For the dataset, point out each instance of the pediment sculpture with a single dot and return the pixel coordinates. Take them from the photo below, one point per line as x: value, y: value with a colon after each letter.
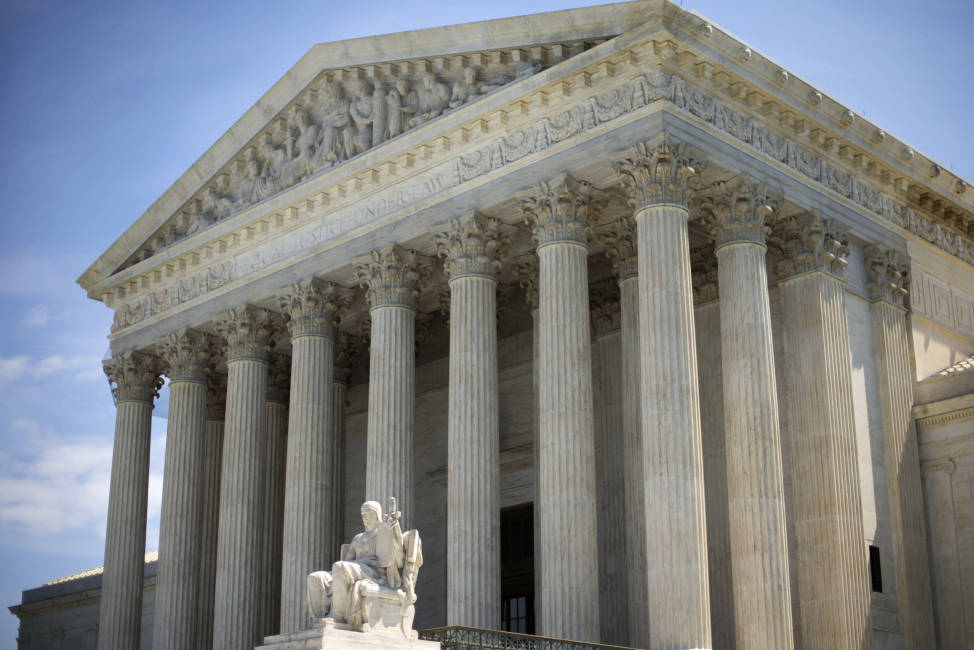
x: 372, y: 588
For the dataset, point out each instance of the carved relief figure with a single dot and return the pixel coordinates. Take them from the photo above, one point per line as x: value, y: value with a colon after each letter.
x: 268, y: 180
x: 300, y: 148
x: 434, y: 98
x: 335, y: 121
x: 402, y: 106
x: 361, y: 110
x: 380, y: 114
x: 468, y: 88
x: 373, y: 585
x: 246, y: 187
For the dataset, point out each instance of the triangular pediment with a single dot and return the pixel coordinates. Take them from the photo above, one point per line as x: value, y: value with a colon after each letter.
x: 344, y: 98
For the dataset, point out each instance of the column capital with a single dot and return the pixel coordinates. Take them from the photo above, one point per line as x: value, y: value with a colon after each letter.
x: 619, y: 238
x: 945, y: 465
x: 216, y: 395
x: 313, y: 307
x: 604, y: 307
x: 526, y: 270
x: 134, y: 377
x: 278, y: 377
x: 664, y: 174
x: 808, y: 242
x: 472, y: 244
x: 703, y: 274
x: 561, y: 210
x: 186, y: 354
x: 888, y: 275
x: 248, y: 331
x: 738, y: 211
x: 393, y: 276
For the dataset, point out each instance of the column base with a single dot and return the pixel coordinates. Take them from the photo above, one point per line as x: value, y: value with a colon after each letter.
x: 327, y: 634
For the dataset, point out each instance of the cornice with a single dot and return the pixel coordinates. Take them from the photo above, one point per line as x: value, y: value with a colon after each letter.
x: 531, y: 115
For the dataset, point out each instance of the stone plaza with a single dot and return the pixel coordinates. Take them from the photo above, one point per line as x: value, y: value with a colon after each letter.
x: 656, y: 345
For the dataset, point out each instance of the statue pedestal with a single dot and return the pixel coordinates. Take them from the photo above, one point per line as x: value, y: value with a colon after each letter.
x: 333, y: 636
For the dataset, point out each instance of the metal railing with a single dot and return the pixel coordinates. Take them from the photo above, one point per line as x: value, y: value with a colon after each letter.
x: 470, y: 638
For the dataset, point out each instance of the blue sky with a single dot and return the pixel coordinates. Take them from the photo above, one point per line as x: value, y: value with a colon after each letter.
x: 103, y: 105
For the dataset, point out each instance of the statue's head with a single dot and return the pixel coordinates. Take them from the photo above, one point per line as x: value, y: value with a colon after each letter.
x: 470, y: 75
x: 371, y: 514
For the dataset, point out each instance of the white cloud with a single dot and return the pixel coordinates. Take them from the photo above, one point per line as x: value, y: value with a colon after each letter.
x: 35, y: 317
x: 58, y: 487
x: 23, y: 367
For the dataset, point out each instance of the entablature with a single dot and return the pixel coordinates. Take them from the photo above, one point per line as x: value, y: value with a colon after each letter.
x: 682, y: 62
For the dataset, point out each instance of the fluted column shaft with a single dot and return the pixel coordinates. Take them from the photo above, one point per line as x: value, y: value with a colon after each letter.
x: 470, y: 247
x: 309, y: 517
x: 762, y: 595
x: 473, y: 514
x: 676, y: 556
x: 610, y: 478
x: 707, y: 321
x: 833, y: 586
x: 633, y: 492
x: 339, y: 388
x: 392, y: 278
x: 888, y: 276
x: 560, y: 211
x: 210, y: 516
x: 275, y: 458
x: 240, y: 537
x: 567, y: 440
x: 176, y: 600
x: 120, y: 614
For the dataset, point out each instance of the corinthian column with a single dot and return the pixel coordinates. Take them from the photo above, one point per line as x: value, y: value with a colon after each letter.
x: 736, y: 213
x: 888, y: 276
x: 560, y: 212
x: 275, y: 456
x: 216, y: 399
x: 706, y: 317
x: 136, y: 382
x: 656, y: 181
x: 819, y: 418
x: 311, y: 307
x: 620, y: 242
x: 392, y: 278
x: 347, y: 350
x: 236, y: 624
x: 609, y: 463
x: 176, y: 602
x: 471, y: 247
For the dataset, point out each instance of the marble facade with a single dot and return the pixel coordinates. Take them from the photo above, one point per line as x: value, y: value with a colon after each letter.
x: 671, y: 310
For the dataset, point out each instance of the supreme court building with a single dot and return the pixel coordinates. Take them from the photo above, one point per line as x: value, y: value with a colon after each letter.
x: 634, y: 324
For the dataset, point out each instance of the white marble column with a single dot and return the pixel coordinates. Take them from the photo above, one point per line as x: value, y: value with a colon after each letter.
x: 392, y: 278
x: 656, y: 180
x: 347, y: 350
x: 135, y: 380
x: 736, y: 213
x: 177, y: 596
x: 609, y: 463
x: 471, y: 247
x: 706, y: 317
x: 946, y: 563
x: 526, y: 270
x: 820, y: 422
x: 560, y: 212
x: 275, y: 461
x: 311, y: 307
x: 216, y: 399
x: 888, y: 276
x: 620, y: 243
x: 236, y: 615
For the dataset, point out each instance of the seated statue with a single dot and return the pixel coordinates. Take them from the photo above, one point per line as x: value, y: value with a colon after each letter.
x: 372, y: 587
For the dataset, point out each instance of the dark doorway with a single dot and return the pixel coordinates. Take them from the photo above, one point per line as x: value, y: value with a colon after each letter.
x: 517, y: 569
